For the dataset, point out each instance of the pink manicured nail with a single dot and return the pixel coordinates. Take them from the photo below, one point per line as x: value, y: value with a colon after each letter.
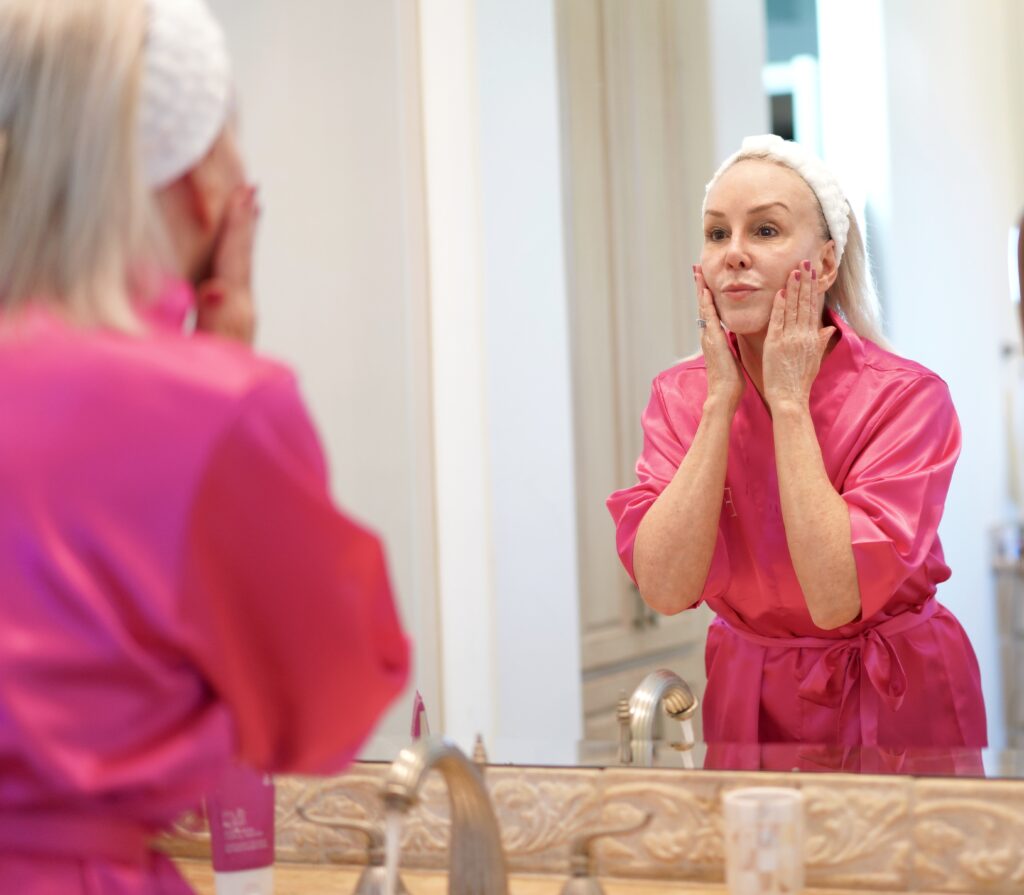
x: 814, y: 274
x: 807, y: 265
x: 797, y: 275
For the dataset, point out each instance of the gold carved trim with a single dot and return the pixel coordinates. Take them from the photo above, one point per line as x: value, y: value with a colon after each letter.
x: 893, y: 834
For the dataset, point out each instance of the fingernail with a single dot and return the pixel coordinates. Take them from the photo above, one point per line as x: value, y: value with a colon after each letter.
x: 213, y: 297
x: 807, y: 265
x: 814, y: 274
x: 797, y: 275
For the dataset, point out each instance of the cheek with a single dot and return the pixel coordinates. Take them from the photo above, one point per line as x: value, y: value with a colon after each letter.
x: 781, y: 265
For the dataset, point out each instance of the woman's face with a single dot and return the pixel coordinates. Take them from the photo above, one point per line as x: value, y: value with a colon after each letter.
x: 762, y: 221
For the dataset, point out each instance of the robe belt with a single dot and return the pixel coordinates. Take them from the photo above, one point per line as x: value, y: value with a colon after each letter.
x: 54, y: 833
x: 867, y: 661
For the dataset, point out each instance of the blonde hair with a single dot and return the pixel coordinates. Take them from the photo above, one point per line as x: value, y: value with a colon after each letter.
x: 77, y: 222
x: 853, y: 293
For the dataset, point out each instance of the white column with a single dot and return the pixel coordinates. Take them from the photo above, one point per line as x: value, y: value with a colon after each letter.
x: 449, y: 79
x: 533, y: 500
x: 502, y: 386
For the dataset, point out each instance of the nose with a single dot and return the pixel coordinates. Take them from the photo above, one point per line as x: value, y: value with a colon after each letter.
x: 736, y: 255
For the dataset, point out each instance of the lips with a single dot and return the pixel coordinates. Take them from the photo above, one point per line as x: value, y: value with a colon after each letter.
x: 739, y: 290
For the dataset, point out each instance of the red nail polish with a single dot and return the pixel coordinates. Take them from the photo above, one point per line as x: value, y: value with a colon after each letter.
x: 814, y: 274
x: 807, y: 265
x: 213, y: 297
x: 798, y: 275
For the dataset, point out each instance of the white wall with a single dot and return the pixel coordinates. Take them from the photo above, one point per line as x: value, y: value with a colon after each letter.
x: 737, y: 33
x: 956, y: 187
x: 329, y: 131
x: 503, y: 438
x: 939, y: 141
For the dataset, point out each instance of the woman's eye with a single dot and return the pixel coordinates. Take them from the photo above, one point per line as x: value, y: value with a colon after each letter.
x: 767, y: 230
x: 715, y: 234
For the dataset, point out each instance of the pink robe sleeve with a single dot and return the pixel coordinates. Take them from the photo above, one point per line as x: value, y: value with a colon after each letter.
x: 896, y: 489
x: 288, y: 600
x: 663, y: 452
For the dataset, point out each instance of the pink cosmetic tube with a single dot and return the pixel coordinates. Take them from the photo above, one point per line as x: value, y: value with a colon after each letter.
x: 241, y: 814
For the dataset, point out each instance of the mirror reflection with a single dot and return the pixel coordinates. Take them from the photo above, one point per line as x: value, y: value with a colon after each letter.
x: 793, y: 477
x: 527, y: 216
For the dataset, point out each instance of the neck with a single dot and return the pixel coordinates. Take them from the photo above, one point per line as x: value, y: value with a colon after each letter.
x: 751, y: 347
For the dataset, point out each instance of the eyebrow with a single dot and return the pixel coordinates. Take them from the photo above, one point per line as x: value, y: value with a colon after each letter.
x: 755, y: 210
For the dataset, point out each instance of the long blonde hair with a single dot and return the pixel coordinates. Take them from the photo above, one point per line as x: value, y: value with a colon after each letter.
x: 76, y: 219
x: 853, y: 293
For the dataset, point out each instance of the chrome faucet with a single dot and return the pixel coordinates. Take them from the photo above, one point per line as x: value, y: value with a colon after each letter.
x: 660, y: 688
x: 477, y: 862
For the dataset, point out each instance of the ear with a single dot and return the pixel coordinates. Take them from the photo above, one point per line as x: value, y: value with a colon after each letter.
x: 829, y: 268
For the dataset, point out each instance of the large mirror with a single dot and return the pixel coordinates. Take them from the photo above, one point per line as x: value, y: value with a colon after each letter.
x: 480, y: 222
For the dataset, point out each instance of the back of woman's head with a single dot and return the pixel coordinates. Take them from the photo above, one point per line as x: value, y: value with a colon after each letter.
x: 75, y: 214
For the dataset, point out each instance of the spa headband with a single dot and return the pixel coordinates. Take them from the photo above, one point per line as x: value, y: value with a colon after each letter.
x: 818, y: 177
x: 186, y: 88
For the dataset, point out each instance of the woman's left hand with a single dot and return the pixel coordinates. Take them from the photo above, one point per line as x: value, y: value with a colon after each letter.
x: 796, y: 340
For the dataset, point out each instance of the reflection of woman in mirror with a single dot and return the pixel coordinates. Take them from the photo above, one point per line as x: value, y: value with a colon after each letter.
x: 793, y: 477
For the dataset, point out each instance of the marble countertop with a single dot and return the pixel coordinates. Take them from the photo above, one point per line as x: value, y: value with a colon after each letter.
x: 311, y: 879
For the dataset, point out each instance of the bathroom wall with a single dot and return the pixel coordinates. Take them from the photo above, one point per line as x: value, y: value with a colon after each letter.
x: 924, y: 109
x: 329, y: 118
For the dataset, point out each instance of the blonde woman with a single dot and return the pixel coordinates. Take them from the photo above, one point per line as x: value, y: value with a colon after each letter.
x: 793, y: 478
x: 178, y: 590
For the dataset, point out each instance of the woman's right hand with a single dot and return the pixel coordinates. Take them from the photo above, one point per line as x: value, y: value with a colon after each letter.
x: 225, y: 303
x: 725, y: 378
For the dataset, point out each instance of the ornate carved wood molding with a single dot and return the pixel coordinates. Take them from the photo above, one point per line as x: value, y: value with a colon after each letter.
x: 893, y: 834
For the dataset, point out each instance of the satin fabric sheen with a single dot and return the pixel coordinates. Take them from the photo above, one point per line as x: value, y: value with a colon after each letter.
x: 178, y: 592
x: 904, y: 673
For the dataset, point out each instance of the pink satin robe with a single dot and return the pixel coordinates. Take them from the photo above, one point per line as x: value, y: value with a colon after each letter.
x: 904, y: 673
x: 178, y: 591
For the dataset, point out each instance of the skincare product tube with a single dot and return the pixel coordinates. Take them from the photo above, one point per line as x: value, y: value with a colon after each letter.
x: 241, y: 814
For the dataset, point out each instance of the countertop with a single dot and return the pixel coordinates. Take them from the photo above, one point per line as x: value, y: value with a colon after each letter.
x: 312, y: 879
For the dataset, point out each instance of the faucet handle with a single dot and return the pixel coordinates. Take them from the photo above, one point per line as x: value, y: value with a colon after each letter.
x: 373, y: 880
x: 583, y: 881
x: 480, y: 758
x: 624, y: 715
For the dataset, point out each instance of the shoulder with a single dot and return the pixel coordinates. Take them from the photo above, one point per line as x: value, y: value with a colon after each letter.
x: 206, y: 367
x: 896, y: 376
x: 688, y: 372
x: 677, y: 398
x: 150, y: 387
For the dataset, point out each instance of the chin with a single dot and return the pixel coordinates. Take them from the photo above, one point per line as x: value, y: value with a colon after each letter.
x: 745, y: 321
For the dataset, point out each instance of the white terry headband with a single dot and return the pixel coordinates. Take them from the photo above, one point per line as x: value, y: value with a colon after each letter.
x: 186, y: 88
x: 819, y: 178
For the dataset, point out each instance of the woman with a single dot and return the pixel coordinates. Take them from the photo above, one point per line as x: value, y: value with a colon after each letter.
x: 793, y: 477
x: 178, y: 590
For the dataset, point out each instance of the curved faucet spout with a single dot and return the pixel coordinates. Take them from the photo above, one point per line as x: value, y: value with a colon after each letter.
x: 477, y: 862
x: 659, y: 688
